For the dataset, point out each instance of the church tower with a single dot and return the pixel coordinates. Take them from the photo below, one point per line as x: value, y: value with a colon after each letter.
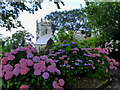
x: 43, y: 28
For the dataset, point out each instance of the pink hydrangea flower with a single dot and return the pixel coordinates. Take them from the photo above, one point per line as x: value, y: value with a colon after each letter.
x: 53, y: 64
x: 1, y: 73
x: 43, y: 68
x: 14, y: 51
x: 37, y: 66
x: 74, y: 52
x: 55, y: 85
x: 111, y: 67
x: 7, y: 68
x: 103, y: 51
x: 92, y: 55
x: 22, y: 87
x: 108, y: 59
x: 115, y: 68
x: 30, y: 47
x: 23, y: 64
x: 56, y: 60
x: 11, y: 57
x: 111, y: 64
x: 45, y: 75
x: 20, y: 48
x: 22, y: 61
x: 64, y: 56
x: 17, y: 65
x: 76, y: 49
x: 43, y: 57
x: 37, y: 72
x: 58, y: 71
x: 36, y: 59
x: 49, y: 61
x: 16, y: 71
x: 65, y: 62
x: 103, y: 62
x: 29, y: 62
x: 61, y: 82
x: 113, y: 60
x: 51, y: 68
x: 42, y: 63
x: 1, y: 66
x: 28, y: 50
x: 24, y: 70
x: 8, y: 75
x: 116, y: 63
x: 4, y: 60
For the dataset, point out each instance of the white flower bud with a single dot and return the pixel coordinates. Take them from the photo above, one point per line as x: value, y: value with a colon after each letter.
x: 116, y: 49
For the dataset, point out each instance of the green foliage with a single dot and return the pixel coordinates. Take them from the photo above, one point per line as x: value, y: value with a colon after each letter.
x: 63, y: 35
x: 104, y: 20
x: 90, y: 42
x: 20, y: 38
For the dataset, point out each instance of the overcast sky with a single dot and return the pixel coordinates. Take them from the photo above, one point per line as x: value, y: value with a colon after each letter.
x: 29, y: 20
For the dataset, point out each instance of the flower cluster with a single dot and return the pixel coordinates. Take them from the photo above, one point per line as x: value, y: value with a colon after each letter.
x: 80, y: 60
x: 58, y: 83
x: 112, y: 45
x: 31, y: 65
x: 113, y: 63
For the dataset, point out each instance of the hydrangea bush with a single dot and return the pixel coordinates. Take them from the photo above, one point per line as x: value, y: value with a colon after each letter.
x: 22, y: 68
x: 72, y: 60
x: 114, y: 48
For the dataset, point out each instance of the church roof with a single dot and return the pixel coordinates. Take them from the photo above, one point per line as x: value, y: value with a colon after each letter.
x: 43, y: 40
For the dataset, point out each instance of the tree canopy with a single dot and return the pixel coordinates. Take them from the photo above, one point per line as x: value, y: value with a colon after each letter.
x: 104, y: 19
x: 10, y: 12
x: 71, y: 20
x: 19, y: 38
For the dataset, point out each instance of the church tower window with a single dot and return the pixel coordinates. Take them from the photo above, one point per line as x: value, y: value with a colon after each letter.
x: 45, y: 31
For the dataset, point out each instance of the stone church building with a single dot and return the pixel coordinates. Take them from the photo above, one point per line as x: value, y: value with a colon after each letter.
x: 44, y: 34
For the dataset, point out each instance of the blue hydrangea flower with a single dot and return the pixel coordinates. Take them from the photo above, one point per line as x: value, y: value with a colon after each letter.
x: 50, y: 54
x: 85, y: 54
x: 61, y: 44
x: 86, y: 64
x: 67, y: 65
x: 66, y: 44
x: 57, y: 53
x: 79, y: 61
x: 65, y: 40
x: 60, y: 50
x: 73, y: 42
x: 77, y: 64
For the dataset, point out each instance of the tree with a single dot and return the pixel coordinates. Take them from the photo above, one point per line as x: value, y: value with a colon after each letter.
x: 10, y: 11
x: 104, y: 19
x: 20, y: 38
x: 71, y: 20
